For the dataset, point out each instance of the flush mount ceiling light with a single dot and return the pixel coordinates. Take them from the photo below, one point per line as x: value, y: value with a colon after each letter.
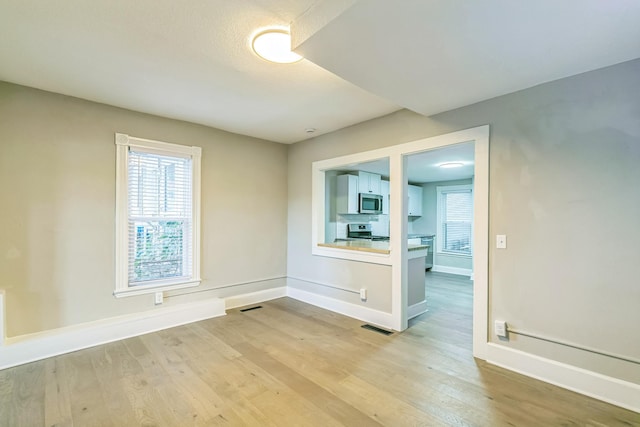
x: 275, y: 46
x: 450, y: 165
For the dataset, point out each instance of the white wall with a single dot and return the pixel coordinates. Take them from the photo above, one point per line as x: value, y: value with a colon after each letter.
x: 57, y: 186
x: 564, y: 170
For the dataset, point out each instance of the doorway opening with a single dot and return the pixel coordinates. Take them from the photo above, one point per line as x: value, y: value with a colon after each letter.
x: 440, y: 217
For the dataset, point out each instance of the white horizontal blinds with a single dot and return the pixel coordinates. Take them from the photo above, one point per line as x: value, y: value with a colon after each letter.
x: 457, y: 217
x: 159, y: 217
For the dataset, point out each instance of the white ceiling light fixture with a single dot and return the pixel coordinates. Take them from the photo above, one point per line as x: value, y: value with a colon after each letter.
x: 451, y: 165
x: 274, y: 45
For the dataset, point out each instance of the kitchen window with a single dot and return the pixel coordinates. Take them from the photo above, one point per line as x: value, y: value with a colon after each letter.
x: 455, y: 219
x: 157, y: 216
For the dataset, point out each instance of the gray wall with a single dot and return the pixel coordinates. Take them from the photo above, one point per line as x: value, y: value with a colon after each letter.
x: 564, y: 173
x: 57, y: 186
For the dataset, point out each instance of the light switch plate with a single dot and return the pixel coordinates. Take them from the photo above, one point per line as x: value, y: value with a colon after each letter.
x: 501, y: 241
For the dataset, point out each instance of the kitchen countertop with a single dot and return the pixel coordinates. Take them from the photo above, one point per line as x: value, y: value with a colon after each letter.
x: 379, y: 247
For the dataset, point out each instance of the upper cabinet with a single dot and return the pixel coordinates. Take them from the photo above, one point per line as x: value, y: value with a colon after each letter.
x: 347, y: 194
x: 415, y: 200
x: 384, y: 192
x: 369, y: 183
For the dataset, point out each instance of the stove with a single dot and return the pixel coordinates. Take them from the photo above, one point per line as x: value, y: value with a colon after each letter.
x: 359, y: 231
x: 363, y: 231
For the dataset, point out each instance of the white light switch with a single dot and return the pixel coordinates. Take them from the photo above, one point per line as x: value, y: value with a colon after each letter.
x: 363, y: 294
x: 501, y: 241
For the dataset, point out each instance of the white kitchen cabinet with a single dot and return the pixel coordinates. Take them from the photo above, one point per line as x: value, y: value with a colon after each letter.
x: 347, y: 194
x: 415, y: 200
x: 384, y: 192
x: 369, y: 182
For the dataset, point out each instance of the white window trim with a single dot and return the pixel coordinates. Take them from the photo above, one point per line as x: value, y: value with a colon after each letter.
x: 123, y: 144
x: 440, y: 189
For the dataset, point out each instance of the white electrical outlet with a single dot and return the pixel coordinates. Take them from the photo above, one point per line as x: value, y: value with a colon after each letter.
x: 501, y: 241
x: 363, y: 294
x: 158, y: 298
x: 500, y: 328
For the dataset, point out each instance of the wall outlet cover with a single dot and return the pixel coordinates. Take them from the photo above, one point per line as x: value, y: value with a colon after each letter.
x: 158, y: 298
x: 500, y: 328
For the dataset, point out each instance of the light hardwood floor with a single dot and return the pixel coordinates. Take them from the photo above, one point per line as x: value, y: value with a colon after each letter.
x: 292, y: 364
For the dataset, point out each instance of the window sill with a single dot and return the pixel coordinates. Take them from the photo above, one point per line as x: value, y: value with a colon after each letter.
x: 149, y: 289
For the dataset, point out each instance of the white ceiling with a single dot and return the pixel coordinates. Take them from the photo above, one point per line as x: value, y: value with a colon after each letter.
x: 186, y: 60
x: 434, y: 56
x: 193, y: 61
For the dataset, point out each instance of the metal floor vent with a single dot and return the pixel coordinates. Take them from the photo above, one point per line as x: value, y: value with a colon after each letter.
x: 251, y: 308
x: 376, y: 329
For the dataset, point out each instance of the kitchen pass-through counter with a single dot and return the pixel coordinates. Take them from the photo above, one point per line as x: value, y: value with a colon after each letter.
x: 374, y: 246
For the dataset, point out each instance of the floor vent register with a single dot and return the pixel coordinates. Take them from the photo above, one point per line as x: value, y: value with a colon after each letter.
x: 376, y: 329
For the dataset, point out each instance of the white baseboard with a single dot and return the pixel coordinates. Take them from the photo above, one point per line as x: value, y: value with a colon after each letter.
x: 376, y: 317
x: 608, y: 389
x: 40, y: 345
x: 416, y: 309
x: 255, y: 297
x: 452, y: 270
x: 3, y: 330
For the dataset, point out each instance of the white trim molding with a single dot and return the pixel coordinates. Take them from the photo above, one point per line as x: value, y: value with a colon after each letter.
x: 376, y: 317
x: 123, y: 144
x: 40, y: 345
x: 452, y: 270
x: 3, y: 319
x: 602, y: 387
x: 416, y: 310
x: 255, y: 297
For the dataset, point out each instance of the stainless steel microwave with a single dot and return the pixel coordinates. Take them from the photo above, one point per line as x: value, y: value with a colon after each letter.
x: 369, y: 203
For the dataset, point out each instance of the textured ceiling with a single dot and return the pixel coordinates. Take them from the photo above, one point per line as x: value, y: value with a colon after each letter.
x: 193, y: 61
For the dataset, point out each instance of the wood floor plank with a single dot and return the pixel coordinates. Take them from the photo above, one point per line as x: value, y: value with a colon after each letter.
x: 88, y: 407
x: 290, y: 363
x: 57, y: 404
x: 318, y: 396
x: 22, y: 395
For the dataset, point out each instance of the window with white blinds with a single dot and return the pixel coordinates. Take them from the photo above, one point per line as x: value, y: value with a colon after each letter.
x: 455, y: 219
x: 158, y: 200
